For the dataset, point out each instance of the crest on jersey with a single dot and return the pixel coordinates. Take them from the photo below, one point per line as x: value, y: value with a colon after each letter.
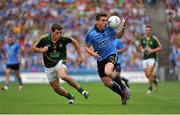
x: 60, y: 45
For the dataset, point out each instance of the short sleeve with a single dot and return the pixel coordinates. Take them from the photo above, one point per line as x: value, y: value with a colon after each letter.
x: 88, y: 40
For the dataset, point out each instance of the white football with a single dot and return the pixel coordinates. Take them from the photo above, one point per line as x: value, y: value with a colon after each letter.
x: 114, y: 21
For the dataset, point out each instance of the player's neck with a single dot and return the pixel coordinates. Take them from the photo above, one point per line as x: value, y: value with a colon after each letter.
x: 53, y: 39
x: 99, y: 28
x: 148, y: 37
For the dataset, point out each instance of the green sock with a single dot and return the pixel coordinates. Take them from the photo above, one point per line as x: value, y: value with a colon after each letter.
x: 150, y: 88
x: 80, y: 90
x: 6, y: 83
x: 69, y: 95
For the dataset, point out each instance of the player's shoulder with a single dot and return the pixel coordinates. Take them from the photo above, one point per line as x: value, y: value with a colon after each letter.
x: 66, y: 37
x: 154, y: 37
x: 91, y: 30
x: 143, y: 38
x: 44, y: 36
x: 17, y: 44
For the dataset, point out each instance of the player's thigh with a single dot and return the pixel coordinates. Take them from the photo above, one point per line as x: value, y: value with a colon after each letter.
x: 111, y: 61
x: 109, y: 69
x: 62, y: 72
x: 148, y: 66
x: 51, y: 76
x: 17, y: 73
x: 8, y: 71
x: 54, y: 84
x: 145, y: 64
x: 148, y: 71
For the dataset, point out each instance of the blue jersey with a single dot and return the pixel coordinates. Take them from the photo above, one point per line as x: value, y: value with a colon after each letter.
x: 102, y: 42
x: 12, y: 52
x: 119, y: 45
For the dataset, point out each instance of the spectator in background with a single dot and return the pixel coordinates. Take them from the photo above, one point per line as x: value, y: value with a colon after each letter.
x: 25, y: 18
x: 2, y: 56
x: 13, y: 53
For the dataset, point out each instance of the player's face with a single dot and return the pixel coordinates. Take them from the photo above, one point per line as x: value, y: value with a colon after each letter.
x: 57, y: 34
x: 9, y: 40
x: 101, y: 23
x: 148, y: 32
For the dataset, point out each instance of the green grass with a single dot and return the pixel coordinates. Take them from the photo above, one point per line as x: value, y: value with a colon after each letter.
x: 39, y: 98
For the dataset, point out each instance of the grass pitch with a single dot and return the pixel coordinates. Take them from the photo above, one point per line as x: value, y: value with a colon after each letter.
x: 40, y: 99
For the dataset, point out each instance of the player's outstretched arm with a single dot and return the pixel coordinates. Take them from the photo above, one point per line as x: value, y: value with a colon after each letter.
x: 78, y: 49
x: 89, y: 50
x: 121, y: 30
x: 141, y: 48
x: 37, y: 49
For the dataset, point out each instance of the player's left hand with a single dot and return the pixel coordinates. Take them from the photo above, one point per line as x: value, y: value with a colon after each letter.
x: 125, y: 21
x: 149, y: 50
x: 79, y: 60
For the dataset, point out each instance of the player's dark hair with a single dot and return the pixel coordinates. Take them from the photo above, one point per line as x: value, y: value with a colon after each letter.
x: 99, y: 15
x: 56, y: 27
x: 148, y: 26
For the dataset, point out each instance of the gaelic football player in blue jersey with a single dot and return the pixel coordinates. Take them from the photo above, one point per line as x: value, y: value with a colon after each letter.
x: 101, y: 37
x: 120, y: 48
x: 13, y: 52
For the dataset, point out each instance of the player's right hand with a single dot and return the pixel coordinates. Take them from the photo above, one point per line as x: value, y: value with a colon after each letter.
x: 125, y: 21
x: 45, y: 49
x: 96, y: 55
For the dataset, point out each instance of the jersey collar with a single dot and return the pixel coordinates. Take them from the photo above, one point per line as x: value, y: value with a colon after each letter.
x: 98, y: 29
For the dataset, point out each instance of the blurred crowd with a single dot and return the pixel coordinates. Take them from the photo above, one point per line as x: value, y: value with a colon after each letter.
x: 173, y: 20
x: 26, y: 20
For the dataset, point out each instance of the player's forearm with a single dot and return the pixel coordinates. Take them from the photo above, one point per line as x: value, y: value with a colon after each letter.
x: 89, y: 50
x: 121, y: 50
x: 77, y: 47
x: 141, y: 48
x: 120, y: 32
x: 78, y: 51
x: 37, y: 50
x: 157, y: 49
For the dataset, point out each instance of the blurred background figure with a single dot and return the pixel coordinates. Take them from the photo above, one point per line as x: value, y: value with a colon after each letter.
x: 149, y: 46
x: 120, y: 48
x: 13, y: 53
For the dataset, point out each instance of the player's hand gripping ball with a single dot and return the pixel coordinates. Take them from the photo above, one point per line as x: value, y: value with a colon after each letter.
x: 114, y: 21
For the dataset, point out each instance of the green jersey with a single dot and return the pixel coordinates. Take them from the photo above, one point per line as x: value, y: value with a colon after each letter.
x: 56, y: 51
x: 152, y: 43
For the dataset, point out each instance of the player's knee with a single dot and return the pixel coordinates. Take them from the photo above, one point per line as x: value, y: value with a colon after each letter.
x: 147, y: 74
x: 108, y: 73
x: 56, y: 88
x: 63, y: 77
x: 107, y: 84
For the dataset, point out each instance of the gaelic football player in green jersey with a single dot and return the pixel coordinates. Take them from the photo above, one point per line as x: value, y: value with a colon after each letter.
x: 53, y: 47
x: 149, y: 45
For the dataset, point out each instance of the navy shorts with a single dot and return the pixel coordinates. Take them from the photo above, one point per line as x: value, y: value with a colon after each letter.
x: 13, y: 66
x: 101, y: 64
x: 118, y: 68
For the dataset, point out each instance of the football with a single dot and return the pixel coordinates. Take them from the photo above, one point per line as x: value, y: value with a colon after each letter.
x: 114, y: 21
